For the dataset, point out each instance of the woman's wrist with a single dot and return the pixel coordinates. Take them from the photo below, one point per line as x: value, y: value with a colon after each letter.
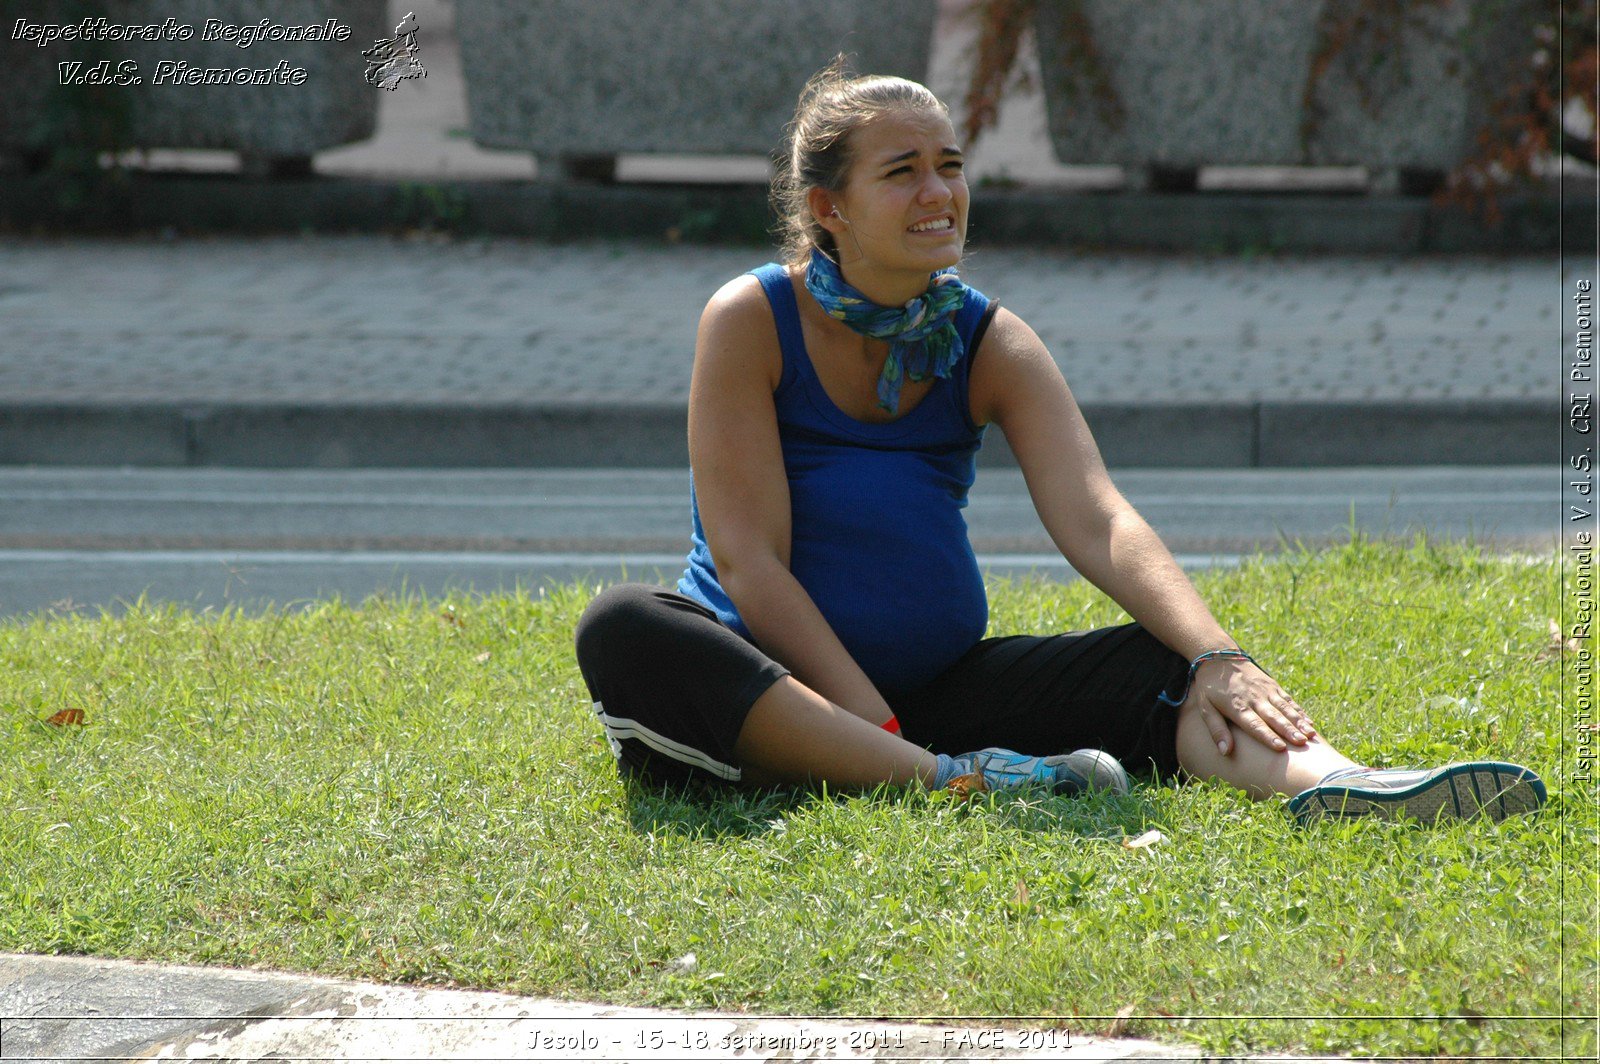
x: 1220, y: 654
x: 1218, y: 640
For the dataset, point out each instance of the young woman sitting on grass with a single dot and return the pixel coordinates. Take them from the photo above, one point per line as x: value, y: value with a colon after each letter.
x: 830, y: 624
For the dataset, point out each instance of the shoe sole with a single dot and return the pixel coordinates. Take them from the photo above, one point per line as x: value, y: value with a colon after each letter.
x: 1480, y: 788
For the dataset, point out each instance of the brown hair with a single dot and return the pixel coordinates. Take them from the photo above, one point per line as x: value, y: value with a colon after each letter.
x: 816, y: 148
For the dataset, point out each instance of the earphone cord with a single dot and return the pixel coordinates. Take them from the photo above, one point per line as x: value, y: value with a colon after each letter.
x: 846, y: 221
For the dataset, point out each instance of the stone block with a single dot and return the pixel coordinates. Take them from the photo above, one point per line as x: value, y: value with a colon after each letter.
x: 1225, y: 82
x: 69, y: 434
x: 1408, y: 432
x: 587, y: 78
x: 366, y: 435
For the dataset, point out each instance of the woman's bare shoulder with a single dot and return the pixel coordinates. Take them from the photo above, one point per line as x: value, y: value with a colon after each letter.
x: 1009, y: 334
x: 740, y: 300
x: 1010, y: 356
x: 738, y: 324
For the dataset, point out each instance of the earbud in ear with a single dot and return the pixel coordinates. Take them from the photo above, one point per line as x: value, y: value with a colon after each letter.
x: 842, y: 218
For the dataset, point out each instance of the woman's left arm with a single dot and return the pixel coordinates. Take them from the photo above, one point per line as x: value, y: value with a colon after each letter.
x: 1016, y: 384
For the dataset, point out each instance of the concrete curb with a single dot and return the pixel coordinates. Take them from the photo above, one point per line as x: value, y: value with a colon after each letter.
x: 1204, y: 222
x: 338, y: 436
x: 82, y: 1008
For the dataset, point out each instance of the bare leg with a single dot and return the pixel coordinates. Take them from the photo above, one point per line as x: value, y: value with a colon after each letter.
x: 794, y: 735
x: 1251, y: 766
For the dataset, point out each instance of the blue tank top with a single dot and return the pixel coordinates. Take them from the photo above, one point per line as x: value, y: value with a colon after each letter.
x: 877, y: 536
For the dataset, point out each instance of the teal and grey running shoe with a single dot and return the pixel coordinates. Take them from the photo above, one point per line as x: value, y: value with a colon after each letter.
x: 1462, y: 791
x: 994, y: 769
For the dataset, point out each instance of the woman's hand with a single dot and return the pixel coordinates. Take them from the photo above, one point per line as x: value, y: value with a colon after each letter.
x: 1233, y: 689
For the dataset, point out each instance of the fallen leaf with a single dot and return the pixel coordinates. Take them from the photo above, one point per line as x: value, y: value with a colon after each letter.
x: 1557, y: 646
x: 1119, y: 1026
x: 1149, y: 838
x: 453, y: 619
x: 70, y: 715
x: 481, y: 658
x: 967, y: 787
x: 1020, y: 898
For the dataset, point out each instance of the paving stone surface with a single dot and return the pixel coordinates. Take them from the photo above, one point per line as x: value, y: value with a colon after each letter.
x: 391, y: 320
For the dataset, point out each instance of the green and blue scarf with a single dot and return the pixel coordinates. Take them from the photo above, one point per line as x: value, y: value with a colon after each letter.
x: 923, y: 341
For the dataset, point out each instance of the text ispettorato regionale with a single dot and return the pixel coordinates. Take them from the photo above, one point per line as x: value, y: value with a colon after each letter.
x: 214, y: 29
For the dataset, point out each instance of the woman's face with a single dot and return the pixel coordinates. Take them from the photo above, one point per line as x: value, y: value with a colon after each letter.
x: 906, y: 198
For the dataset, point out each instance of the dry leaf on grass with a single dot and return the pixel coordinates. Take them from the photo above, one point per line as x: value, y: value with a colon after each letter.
x: 1119, y: 1026
x: 1557, y: 646
x: 70, y: 715
x: 965, y: 788
x: 481, y: 658
x: 1020, y: 898
x: 1148, y: 839
x: 449, y: 615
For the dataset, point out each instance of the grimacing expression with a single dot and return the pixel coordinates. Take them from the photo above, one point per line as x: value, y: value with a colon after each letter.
x: 906, y: 196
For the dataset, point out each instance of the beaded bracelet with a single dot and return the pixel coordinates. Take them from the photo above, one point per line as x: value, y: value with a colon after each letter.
x: 1195, y: 665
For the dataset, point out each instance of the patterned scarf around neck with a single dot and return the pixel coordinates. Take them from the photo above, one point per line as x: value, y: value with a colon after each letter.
x: 922, y: 336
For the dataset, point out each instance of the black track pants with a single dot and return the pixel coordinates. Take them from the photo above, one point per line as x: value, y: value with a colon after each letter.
x: 672, y: 684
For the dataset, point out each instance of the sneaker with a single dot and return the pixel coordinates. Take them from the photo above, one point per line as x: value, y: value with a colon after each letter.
x: 994, y: 769
x: 1462, y: 791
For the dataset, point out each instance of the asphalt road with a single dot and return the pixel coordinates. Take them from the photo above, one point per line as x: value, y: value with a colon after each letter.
x: 96, y: 538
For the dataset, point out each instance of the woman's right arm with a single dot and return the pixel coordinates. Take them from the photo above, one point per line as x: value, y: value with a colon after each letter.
x: 743, y: 494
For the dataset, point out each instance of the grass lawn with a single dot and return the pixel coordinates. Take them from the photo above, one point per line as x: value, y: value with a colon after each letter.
x: 417, y: 791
